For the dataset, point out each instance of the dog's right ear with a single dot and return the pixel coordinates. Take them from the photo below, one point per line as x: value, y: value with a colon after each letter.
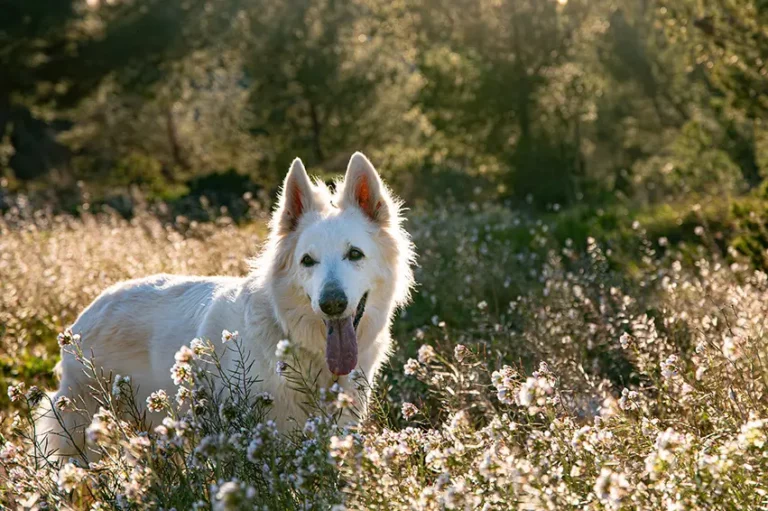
x: 296, y: 198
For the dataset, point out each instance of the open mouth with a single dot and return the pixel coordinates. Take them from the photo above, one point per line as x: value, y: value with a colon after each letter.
x: 360, y: 309
x: 341, y: 341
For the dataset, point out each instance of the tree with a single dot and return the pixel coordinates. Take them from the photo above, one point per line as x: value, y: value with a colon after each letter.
x: 54, y: 54
x: 324, y: 80
x: 487, y: 63
x: 727, y: 46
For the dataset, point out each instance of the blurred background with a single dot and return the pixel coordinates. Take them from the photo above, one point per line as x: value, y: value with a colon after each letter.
x: 144, y: 136
x: 585, y: 183
x: 538, y: 104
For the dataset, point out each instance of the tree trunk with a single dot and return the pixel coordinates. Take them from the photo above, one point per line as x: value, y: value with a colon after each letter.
x: 177, y: 153
x: 5, y: 113
x: 316, y: 129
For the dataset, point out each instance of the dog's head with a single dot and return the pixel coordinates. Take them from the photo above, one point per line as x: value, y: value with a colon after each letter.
x: 341, y: 263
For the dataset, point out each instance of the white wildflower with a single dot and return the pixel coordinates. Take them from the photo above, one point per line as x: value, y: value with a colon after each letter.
x: 459, y: 422
x: 64, y: 403
x: 118, y: 385
x: 461, y: 352
x: 411, y: 367
x: 227, y: 336
x: 283, y: 348
x: 185, y: 355
x: 409, y: 410
x: 181, y: 373
x: 625, y: 340
x: 157, y: 401
x: 344, y: 400
x: 339, y: 447
x: 669, y: 368
x: 752, y: 434
x: 505, y: 381
x: 610, y: 488
x: 231, y: 496
x: 99, y: 429
x: 426, y: 354
x: 67, y: 338
x: 198, y: 346
x: 629, y: 400
x: 265, y: 397
x: 70, y: 476
x: 16, y: 392
x: 183, y: 395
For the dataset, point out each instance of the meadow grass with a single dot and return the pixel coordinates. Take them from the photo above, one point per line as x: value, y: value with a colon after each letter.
x: 532, y: 371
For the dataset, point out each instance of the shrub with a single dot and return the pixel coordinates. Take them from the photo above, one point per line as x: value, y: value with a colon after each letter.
x: 214, y: 447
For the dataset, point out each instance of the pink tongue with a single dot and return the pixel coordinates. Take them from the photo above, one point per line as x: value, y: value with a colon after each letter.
x: 341, y: 346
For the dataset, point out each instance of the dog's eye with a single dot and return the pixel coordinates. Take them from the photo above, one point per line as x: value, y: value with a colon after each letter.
x: 307, y: 261
x: 355, y: 254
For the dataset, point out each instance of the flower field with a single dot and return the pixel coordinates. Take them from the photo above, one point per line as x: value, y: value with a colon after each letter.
x: 532, y: 371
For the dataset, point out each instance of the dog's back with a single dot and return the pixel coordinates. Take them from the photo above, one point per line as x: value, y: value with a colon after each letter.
x: 135, y: 321
x: 127, y: 330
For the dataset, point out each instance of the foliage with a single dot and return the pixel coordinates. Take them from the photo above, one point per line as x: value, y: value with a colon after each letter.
x: 551, y: 102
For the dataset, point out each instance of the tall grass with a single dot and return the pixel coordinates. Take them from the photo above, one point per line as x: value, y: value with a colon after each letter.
x: 529, y: 374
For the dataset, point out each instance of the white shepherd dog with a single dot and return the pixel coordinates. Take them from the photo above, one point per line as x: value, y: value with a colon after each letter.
x: 333, y: 272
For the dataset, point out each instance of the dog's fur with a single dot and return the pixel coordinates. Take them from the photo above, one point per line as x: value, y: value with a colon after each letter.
x: 134, y: 328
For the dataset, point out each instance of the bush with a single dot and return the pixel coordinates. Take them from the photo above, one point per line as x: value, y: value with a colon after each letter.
x: 214, y: 447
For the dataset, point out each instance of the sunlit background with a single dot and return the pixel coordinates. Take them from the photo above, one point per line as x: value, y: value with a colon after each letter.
x: 585, y: 189
x: 536, y: 102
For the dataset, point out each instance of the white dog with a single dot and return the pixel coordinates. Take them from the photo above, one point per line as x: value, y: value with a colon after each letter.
x: 333, y: 272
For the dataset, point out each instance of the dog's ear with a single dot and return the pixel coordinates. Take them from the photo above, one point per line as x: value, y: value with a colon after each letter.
x: 363, y: 189
x: 296, y: 198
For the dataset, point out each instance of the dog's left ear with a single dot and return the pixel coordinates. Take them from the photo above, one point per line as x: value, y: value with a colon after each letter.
x: 363, y: 189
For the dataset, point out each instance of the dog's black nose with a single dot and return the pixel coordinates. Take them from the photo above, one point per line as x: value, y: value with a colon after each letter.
x: 333, y: 301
